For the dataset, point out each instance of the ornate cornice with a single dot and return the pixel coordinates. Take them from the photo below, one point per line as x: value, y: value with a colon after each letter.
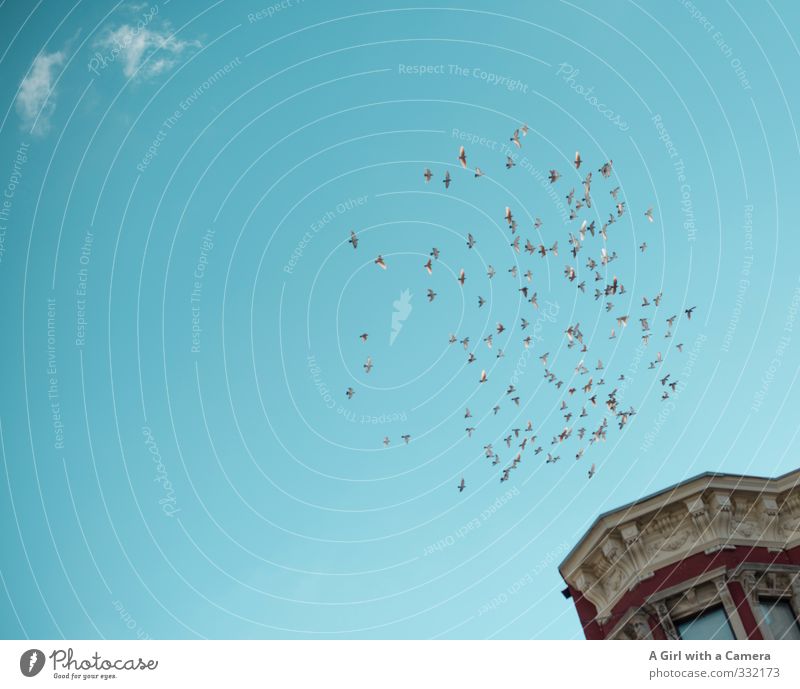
x: 704, y: 515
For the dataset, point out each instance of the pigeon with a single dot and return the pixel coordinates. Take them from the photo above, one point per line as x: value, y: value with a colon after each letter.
x: 462, y: 157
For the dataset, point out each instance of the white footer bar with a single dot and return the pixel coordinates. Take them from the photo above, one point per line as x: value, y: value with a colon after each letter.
x: 401, y: 664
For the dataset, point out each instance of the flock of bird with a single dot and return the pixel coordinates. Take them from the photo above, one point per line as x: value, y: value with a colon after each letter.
x: 581, y: 395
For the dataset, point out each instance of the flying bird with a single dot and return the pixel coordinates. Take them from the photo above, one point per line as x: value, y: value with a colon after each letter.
x: 582, y: 396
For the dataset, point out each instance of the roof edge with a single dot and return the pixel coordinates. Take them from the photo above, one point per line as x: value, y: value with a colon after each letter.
x: 709, y: 476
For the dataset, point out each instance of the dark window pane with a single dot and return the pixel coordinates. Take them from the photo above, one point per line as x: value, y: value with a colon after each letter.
x: 711, y: 624
x: 780, y: 619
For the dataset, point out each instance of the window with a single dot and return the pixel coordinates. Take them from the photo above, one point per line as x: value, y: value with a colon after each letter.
x: 779, y: 618
x: 709, y: 624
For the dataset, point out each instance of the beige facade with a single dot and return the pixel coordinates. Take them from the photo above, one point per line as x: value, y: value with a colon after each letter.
x: 714, y: 541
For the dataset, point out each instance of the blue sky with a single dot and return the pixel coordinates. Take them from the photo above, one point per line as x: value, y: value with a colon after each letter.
x: 182, y: 310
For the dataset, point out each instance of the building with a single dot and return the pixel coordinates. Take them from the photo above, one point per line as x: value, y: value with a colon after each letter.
x: 713, y: 557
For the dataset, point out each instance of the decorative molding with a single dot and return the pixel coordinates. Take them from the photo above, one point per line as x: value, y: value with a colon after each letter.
x: 763, y: 581
x: 665, y: 621
x: 635, y: 627
x: 621, y: 550
x: 731, y: 610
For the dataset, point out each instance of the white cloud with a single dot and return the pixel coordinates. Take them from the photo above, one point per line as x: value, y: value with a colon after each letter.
x: 36, y: 99
x: 135, y: 47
